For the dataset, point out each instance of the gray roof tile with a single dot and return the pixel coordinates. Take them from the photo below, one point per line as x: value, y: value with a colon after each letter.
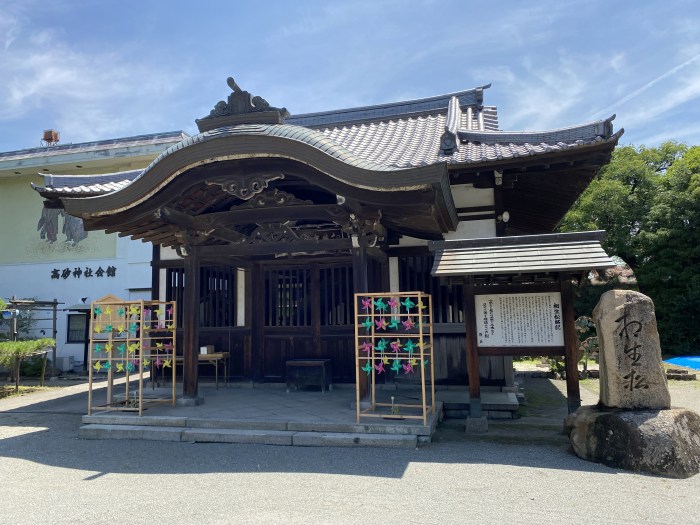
x: 401, y: 135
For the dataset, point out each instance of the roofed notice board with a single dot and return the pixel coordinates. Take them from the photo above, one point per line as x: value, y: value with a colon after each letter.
x: 526, y: 319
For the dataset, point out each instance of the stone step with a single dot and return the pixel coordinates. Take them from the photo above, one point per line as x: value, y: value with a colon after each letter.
x: 249, y: 436
x: 341, y: 439
x: 239, y: 424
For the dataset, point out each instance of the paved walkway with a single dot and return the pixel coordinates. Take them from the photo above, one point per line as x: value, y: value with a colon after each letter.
x: 52, y: 477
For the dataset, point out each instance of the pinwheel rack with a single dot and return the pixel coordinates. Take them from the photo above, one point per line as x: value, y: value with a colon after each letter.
x: 394, y: 334
x: 129, y: 339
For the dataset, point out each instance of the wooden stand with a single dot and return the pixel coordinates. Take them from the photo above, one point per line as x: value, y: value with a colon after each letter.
x: 130, y: 338
x: 394, y: 330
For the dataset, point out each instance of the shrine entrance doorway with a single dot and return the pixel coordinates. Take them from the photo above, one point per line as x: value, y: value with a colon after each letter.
x: 304, y: 311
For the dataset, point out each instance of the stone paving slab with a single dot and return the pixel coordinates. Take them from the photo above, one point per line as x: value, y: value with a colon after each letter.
x: 130, y: 432
x: 217, y: 435
x: 332, y: 439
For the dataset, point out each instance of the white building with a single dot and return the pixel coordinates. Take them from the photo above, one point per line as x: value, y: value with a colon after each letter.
x: 46, y: 255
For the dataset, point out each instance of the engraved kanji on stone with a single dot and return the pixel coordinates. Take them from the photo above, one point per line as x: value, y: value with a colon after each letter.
x: 624, y: 331
x: 635, y: 381
x: 634, y: 354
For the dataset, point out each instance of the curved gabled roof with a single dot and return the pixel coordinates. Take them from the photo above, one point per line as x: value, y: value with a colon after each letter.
x: 368, y: 153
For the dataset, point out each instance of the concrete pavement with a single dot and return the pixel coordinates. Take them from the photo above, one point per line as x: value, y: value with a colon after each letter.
x: 50, y: 476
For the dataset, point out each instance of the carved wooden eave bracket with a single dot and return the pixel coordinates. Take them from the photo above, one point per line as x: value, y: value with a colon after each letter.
x: 241, y: 108
x: 244, y: 186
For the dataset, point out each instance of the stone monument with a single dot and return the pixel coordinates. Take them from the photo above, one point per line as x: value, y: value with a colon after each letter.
x: 633, y: 426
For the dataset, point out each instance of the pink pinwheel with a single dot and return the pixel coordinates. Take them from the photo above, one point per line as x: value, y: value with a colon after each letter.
x: 408, y: 324
x: 393, y: 302
x: 395, y: 345
x: 381, y: 323
x: 366, y: 346
x: 170, y: 311
x: 380, y: 367
x: 367, y: 303
x: 408, y: 368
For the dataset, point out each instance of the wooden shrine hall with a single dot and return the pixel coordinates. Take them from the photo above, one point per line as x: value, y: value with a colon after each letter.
x: 265, y: 224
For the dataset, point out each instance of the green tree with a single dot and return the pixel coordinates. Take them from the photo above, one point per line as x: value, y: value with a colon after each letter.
x: 648, y: 201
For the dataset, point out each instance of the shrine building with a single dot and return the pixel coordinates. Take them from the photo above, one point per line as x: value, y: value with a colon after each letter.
x: 266, y: 223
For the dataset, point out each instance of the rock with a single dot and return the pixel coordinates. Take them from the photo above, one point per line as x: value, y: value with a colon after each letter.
x: 662, y: 442
x: 631, y: 372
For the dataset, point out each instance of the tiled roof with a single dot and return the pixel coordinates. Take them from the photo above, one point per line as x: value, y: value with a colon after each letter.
x: 397, y: 136
x: 523, y: 254
x: 64, y: 149
x: 85, y: 185
x: 391, y: 111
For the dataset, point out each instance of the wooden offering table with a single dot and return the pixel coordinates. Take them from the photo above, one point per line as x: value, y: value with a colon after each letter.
x: 215, y: 359
x: 306, y: 372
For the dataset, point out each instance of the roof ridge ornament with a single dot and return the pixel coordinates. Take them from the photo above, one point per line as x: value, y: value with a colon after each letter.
x: 241, y: 107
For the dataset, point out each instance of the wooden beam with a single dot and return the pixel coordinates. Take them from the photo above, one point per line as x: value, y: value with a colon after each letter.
x: 573, y: 393
x: 472, y: 350
x: 190, y: 222
x: 190, y: 323
x: 532, y: 351
x: 274, y: 248
x: 237, y: 217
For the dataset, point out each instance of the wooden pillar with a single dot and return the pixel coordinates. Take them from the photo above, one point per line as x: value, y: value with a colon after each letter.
x: 316, y: 310
x: 190, y: 324
x: 472, y: 350
x: 360, y: 284
x: 573, y: 393
x: 250, y: 321
x: 257, y: 312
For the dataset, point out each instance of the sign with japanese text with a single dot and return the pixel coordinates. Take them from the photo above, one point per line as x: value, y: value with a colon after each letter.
x: 525, y: 319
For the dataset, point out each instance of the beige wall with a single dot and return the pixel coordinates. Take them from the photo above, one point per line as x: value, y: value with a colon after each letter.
x: 21, y: 210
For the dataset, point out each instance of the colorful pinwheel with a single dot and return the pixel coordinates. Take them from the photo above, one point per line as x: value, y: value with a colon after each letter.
x: 368, y: 367
x: 408, y: 324
x: 367, y: 304
x: 379, y: 367
x: 366, y: 346
x: 396, y: 365
x: 380, y: 305
x: 368, y: 324
x: 381, y: 345
x: 381, y: 323
x: 393, y: 303
x: 396, y: 345
x: 394, y: 323
x: 408, y: 303
x: 408, y: 368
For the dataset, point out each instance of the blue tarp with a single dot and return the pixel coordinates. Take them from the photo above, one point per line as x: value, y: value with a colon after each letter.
x: 688, y: 362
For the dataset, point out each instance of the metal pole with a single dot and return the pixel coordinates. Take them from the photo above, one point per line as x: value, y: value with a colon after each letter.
x: 55, y: 332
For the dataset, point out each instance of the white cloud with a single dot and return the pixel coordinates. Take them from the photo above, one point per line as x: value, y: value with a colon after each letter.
x: 87, y: 96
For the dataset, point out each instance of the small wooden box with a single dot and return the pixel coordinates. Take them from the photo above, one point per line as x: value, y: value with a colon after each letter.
x: 310, y: 372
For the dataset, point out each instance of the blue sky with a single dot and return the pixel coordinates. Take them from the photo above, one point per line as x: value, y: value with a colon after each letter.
x: 106, y: 69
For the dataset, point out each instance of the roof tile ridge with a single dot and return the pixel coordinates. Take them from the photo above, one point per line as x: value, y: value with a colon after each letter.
x: 449, y: 142
x: 601, y: 130
x: 345, y: 115
x: 104, y: 142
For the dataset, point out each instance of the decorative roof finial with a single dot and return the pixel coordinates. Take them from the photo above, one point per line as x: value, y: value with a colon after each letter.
x: 240, y: 103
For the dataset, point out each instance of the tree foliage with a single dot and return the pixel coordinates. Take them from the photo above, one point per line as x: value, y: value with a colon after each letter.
x: 648, y: 200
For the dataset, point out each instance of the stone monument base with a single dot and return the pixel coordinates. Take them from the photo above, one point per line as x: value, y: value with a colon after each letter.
x: 662, y: 442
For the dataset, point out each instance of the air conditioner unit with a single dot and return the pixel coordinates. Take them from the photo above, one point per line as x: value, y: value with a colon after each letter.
x: 65, y: 363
